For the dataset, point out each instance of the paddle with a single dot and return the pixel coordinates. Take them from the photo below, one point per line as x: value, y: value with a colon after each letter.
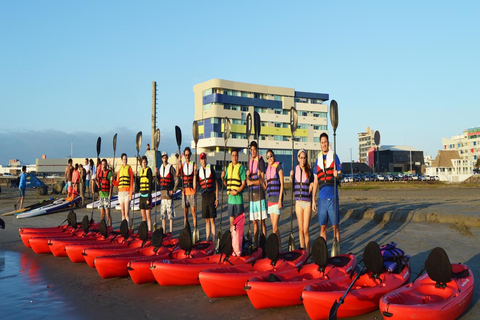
x: 114, y: 150
x: 334, y: 121
x: 138, y: 143
x: 156, y: 142
x: 178, y: 136
x: 2, y: 224
x: 333, y: 311
x: 293, y: 129
x: 226, y: 134
x: 196, y: 233
x: 248, y: 128
x: 257, y: 126
x: 99, y: 145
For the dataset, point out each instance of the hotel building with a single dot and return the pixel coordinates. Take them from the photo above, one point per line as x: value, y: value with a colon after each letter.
x: 468, y: 147
x: 216, y: 99
x: 365, y: 142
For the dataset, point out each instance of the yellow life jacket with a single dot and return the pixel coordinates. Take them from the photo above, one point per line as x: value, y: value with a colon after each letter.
x: 124, y: 177
x: 233, y: 177
x: 144, y: 181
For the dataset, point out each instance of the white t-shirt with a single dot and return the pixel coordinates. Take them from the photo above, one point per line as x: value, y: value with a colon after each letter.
x: 87, y: 170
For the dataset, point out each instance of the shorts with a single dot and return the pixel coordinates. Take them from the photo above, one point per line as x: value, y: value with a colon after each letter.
x: 303, y: 204
x: 326, y: 212
x: 22, y: 192
x: 104, y: 203
x: 273, y: 208
x: 143, y: 203
x: 208, y: 206
x: 189, y: 201
x: 87, y: 183
x: 167, y: 209
x: 81, y: 188
x: 258, y: 210
x: 123, y: 196
x: 234, y: 210
x: 68, y: 186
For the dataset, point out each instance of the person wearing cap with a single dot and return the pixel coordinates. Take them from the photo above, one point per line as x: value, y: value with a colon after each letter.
x: 207, y: 180
x: 166, y: 178
x: 187, y: 171
x: 255, y: 179
x: 326, y: 170
x: 302, y: 180
x: 273, y: 185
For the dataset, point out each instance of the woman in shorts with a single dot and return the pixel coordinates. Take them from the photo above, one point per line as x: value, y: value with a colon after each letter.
x: 273, y: 185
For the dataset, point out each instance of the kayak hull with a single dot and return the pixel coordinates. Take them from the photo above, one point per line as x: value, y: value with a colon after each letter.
x: 423, y: 300
x: 287, y: 292
x: 362, y: 298
x: 89, y: 254
x: 39, y: 245
x: 230, y: 281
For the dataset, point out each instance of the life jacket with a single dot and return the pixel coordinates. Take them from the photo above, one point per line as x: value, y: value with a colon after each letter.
x: 302, y: 185
x: 144, y: 181
x: 124, y: 177
x: 254, y: 176
x: 325, y: 175
x: 233, y: 174
x: 273, y: 181
x: 166, y: 178
x: 205, y: 175
x: 103, y: 180
x: 188, y: 174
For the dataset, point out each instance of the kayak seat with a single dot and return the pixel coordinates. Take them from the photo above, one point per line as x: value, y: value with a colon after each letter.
x: 290, y: 256
x: 338, y: 261
x: 72, y: 219
x: 272, y: 248
x: 124, y: 231
x: 185, y: 239
x: 143, y: 231
x: 373, y: 260
x: 320, y: 253
x: 273, y: 278
x: 438, y: 267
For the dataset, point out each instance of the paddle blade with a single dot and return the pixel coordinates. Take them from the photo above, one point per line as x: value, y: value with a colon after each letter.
x: 138, y: 141
x: 114, y: 143
x: 154, y: 227
x: 293, y: 120
x: 99, y: 145
x: 256, y: 124
x: 333, y: 311
x: 376, y: 138
x: 335, y: 247
x: 2, y: 224
x: 334, y: 114
x: 217, y: 240
x: 157, y: 139
x: 226, y: 129
x: 248, y: 125
x: 178, y: 136
x: 291, y: 242
x: 196, y: 235
x: 195, y: 131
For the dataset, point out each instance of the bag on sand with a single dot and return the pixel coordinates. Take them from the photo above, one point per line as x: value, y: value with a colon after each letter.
x: 237, y: 234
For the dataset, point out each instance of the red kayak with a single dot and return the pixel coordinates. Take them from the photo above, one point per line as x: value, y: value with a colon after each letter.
x: 230, y: 281
x: 364, y: 295
x: 445, y: 297
x: 71, y: 219
x: 112, y: 266
x: 285, y: 288
x: 184, y: 272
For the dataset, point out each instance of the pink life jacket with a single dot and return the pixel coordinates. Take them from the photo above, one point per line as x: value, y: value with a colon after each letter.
x: 237, y: 234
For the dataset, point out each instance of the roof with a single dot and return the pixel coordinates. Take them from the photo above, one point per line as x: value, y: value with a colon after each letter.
x: 444, y: 158
x: 397, y: 148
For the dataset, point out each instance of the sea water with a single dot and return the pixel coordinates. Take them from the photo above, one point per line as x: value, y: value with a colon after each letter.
x: 25, y: 293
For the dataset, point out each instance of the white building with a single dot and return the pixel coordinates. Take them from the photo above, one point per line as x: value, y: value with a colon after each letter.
x: 468, y: 147
x: 365, y: 142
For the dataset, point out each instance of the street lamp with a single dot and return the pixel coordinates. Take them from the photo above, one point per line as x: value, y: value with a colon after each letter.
x: 351, y: 162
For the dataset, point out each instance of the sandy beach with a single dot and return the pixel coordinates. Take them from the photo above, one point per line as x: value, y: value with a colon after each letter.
x: 418, y: 219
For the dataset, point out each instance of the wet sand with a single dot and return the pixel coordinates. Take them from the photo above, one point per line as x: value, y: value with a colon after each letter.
x: 418, y: 219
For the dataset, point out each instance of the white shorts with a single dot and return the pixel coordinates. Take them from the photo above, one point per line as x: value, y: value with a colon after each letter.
x: 167, y: 209
x: 258, y: 210
x: 123, y: 196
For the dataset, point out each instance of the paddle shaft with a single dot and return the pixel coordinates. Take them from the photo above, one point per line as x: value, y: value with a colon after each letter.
x: 291, y: 211
x: 335, y: 306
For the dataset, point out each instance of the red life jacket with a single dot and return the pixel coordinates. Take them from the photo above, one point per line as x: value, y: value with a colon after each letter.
x: 166, y: 179
x: 188, y: 174
x: 325, y: 175
x: 205, y: 175
x: 104, y: 182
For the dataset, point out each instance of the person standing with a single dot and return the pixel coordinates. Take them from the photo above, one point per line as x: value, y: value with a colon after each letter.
x: 68, y: 178
x: 167, y: 180
x: 209, y: 190
x: 81, y: 185
x: 303, y: 185
x: 105, y: 186
x: 124, y: 182
x: 93, y: 176
x: 255, y: 179
x: 273, y: 185
x: 234, y: 179
x: 75, y: 180
x: 146, y: 182
x: 22, y: 187
x: 326, y: 170
x: 88, y: 173
x: 187, y: 171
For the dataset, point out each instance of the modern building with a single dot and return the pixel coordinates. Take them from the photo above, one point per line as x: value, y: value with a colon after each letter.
x: 468, y: 147
x: 365, y: 142
x: 216, y: 99
x: 390, y: 158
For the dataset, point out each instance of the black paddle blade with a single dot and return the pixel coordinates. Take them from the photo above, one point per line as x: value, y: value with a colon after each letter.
x: 138, y: 141
x: 178, y: 135
x: 99, y: 145
x: 256, y: 124
x: 334, y: 114
x: 333, y: 311
x: 248, y: 125
x: 2, y: 224
x: 376, y: 138
x: 114, y: 143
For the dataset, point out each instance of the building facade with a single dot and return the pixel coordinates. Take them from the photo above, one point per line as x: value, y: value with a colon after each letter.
x: 216, y: 99
x: 365, y: 142
x: 396, y: 159
x: 468, y: 147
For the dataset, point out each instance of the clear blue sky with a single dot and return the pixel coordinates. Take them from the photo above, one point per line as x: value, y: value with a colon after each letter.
x: 76, y: 70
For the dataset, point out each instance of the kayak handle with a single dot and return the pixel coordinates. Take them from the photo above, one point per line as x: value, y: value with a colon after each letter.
x: 387, y: 314
x: 247, y: 288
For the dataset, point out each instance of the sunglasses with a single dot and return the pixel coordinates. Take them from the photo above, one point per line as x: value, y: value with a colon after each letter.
x: 268, y: 157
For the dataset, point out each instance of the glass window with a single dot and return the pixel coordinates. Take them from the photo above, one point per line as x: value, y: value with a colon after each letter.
x: 278, y: 125
x: 244, y: 109
x: 316, y: 139
x: 207, y: 92
x: 214, y: 120
x: 237, y: 121
x: 245, y: 94
x: 207, y: 106
x: 213, y: 134
x: 277, y: 111
x: 277, y: 98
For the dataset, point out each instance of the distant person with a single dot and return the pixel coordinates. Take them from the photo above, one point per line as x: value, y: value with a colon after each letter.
x: 273, y: 185
x: 75, y: 180
x: 22, y: 187
x: 146, y: 183
x: 302, y: 183
x: 209, y: 190
x: 93, y: 175
x: 98, y: 168
x: 148, y: 147
x: 326, y: 170
x: 81, y: 185
x: 124, y: 183
x: 188, y: 174
x: 166, y: 177
x: 88, y: 173
x: 104, y: 177
x: 68, y: 178
x: 258, y: 205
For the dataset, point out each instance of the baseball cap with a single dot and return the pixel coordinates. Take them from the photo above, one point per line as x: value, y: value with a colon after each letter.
x: 203, y: 155
x: 164, y: 153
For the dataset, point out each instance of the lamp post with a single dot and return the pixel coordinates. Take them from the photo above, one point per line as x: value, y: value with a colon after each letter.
x: 351, y: 162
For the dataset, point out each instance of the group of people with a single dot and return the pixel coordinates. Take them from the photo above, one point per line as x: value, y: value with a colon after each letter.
x: 78, y: 177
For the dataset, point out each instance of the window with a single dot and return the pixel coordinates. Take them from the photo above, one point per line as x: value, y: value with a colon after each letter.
x: 213, y: 134
x: 277, y: 98
x: 237, y: 121
x: 245, y: 94
x: 277, y: 111
x: 207, y: 92
x: 316, y: 139
x: 302, y: 100
x: 207, y: 106
x: 244, y: 109
x: 278, y: 125
x: 258, y: 95
x: 214, y: 120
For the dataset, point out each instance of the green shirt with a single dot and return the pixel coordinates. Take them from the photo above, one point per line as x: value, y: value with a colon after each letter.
x: 104, y: 194
x: 237, y: 199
